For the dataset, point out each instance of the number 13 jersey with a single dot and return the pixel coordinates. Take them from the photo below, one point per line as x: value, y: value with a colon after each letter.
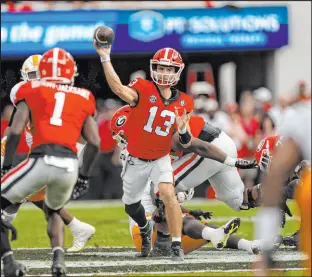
x: 153, y: 119
x: 57, y: 111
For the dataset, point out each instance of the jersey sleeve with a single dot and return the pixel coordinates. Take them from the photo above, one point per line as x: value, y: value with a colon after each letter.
x: 196, y: 124
x: 137, y: 84
x: 18, y: 92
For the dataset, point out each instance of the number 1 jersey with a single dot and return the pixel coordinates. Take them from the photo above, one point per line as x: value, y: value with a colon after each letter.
x: 153, y: 119
x: 57, y: 112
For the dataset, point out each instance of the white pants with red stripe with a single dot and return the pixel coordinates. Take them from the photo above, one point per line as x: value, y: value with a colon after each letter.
x: 59, y: 175
x: 136, y: 174
x: 192, y: 170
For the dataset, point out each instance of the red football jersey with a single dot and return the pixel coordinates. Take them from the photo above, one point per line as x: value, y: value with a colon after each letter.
x: 57, y: 111
x: 153, y: 120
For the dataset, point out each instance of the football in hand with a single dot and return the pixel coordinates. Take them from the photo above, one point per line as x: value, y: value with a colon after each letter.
x: 104, y: 35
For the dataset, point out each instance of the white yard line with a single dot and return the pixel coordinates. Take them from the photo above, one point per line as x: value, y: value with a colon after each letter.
x: 211, y: 258
x: 167, y: 272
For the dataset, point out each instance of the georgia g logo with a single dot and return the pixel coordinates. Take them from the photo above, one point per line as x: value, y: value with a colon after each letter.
x: 121, y: 121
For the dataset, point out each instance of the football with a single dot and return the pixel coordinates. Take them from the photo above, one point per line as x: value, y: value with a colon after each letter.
x: 104, y: 35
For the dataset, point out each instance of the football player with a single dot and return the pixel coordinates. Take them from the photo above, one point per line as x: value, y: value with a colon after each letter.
x: 296, y: 146
x: 209, y: 162
x: 153, y: 105
x: 60, y: 113
x: 82, y: 232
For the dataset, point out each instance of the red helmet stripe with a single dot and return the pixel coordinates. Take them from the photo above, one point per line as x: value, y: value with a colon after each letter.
x: 54, y: 62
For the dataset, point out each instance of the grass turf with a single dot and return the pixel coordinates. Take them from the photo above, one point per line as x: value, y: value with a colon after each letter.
x: 111, y: 223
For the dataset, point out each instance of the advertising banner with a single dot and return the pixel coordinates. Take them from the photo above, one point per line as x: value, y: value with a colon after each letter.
x: 145, y: 31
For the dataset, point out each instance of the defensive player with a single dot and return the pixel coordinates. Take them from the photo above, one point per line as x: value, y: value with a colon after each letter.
x: 296, y: 146
x: 81, y: 231
x: 59, y: 114
x: 153, y: 105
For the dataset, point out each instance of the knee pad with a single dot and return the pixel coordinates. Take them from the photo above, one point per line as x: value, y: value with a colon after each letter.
x: 132, y: 208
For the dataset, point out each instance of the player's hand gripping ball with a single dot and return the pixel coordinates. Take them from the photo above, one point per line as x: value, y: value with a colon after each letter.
x: 104, y: 36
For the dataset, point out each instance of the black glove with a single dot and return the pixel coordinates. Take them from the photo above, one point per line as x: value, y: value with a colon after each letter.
x: 5, y: 170
x: 161, y: 209
x: 198, y: 213
x: 81, y: 187
x: 244, y: 164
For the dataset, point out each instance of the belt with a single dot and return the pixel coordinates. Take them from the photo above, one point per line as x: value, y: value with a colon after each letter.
x: 144, y: 160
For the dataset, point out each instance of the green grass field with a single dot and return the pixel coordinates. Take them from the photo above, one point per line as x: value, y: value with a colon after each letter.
x: 104, y: 257
x: 111, y: 223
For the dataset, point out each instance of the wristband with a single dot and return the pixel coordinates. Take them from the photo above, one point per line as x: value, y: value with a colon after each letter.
x: 230, y: 161
x: 185, y: 138
x: 105, y: 59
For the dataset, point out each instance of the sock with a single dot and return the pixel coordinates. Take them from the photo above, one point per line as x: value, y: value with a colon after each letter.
x: 244, y: 244
x: 177, y: 239
x: 73, y: 224
x: 57, y: 248
x: 208, y: 232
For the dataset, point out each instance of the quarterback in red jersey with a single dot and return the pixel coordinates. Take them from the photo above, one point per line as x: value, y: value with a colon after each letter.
x: 153, y: 106
x: 59, y: 113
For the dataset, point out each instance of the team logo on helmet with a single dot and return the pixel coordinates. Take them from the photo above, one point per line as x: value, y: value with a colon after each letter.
x: 121, y: 121
x: 182, y: 103
x: 152, y: 99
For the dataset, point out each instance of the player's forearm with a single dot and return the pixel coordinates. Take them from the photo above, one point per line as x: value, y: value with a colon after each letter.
x: 112, y: 78
x: 10, y: 149
x: 89, y: 157
x: 207, y: 150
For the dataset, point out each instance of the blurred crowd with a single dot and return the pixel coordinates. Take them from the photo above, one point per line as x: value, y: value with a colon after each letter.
x: 28, y: 6
x: 247, y: 122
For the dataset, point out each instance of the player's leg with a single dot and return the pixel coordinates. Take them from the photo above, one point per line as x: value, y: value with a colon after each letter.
x: 22, y: 181
x: 197, y: 230
x: 63, y: 177
x: 135, y: 175
x: 11, y: 268
x: 82, y: 232
x: 162, y: 174
x: 228, y: 187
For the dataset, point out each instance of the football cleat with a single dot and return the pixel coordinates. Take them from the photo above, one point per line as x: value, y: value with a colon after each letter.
x: 161, y: 247
x: 81, y: 237
x: 58, y: 266
x: 177, y: 253
x: 258, y: 245
x: 14, y: 269
x: 146, y: 235
x: 292, y: 240
x: 222, y: 234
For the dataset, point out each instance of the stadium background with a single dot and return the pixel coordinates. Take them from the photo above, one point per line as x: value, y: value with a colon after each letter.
x: 249, y: 79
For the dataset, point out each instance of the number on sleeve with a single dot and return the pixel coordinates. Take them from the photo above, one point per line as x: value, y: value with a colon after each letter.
x: 58, y: 109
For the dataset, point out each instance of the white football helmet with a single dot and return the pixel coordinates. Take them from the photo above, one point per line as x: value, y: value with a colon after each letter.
x: 30, y: 68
